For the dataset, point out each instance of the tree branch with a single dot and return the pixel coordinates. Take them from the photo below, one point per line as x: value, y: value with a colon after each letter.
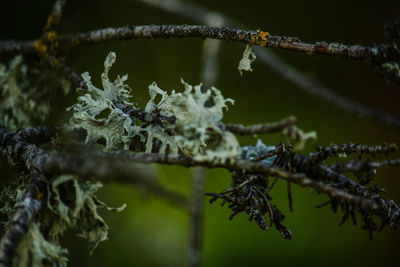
x: 260, y: 128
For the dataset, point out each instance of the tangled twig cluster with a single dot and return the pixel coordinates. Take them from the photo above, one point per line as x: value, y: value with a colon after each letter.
x: 250, y: 190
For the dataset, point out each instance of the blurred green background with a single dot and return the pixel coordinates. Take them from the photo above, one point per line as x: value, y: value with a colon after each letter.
x: 152, y: 233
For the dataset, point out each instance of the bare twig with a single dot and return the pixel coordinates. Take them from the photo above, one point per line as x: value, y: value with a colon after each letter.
x: 20, y: 223
x: 251, y: 167
x: 196, y: 218
x: 108, y: 170
x: 260, y: 128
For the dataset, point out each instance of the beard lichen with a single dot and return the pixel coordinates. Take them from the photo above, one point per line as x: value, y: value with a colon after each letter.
x: 24, y: 93
x: 195, y: 133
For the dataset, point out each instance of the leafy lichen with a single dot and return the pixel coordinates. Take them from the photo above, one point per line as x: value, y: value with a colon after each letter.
x: 195, y: 132
x: 97, y: 113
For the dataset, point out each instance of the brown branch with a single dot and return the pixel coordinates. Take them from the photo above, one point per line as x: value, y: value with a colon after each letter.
x: 260, y: 128
x: 17, y: 47
x: 260, y: 38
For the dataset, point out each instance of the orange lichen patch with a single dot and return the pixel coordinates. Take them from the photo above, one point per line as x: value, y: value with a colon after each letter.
x: 260, y: 38
x: 40, y: 46
x: 39, y: 195
x: 51, y: 36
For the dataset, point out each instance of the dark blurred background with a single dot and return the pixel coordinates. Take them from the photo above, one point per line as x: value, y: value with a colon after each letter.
x: 152, y: 233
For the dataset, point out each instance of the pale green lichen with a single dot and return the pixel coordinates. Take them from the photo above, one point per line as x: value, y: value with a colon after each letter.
x: 24, y: 93
x: 76, y: 207
x: 96, y: 112
x: 195, y: 133
x: 35, y: 250
x: 247, y: 60
x: 70, y: 204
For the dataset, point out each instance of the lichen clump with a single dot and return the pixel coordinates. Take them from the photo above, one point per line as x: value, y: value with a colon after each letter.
x: 247, y: 59
x: 102, y: 113
x: 24, y: 93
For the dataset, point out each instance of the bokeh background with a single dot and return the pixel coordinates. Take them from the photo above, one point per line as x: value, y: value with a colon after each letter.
x: 150, y: 232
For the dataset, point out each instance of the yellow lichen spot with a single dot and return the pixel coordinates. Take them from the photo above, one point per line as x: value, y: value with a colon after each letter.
x: 240, y: 37
x: 253, y: 39
x: 51, y: 36
x: 260, y: 38
x: 40, y: 47
x: 39, y: 195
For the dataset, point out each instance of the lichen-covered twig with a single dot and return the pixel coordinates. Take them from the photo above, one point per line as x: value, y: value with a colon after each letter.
x: 260, y: 128
x: 18, y: 148
x: 20, y: 223
x: 17, y: 47
x: 251, y: 167
x: 378, y: 53
x: 357, y: 52
x: 334, y: 150
x: 54, y: 16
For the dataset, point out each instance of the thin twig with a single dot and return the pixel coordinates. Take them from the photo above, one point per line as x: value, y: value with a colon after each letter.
x: 55, y: 16
x: 260, y: 128
x: 379, y: 53
x: 19, y: 148
x: 196, y: 218
x: 334, y: 150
